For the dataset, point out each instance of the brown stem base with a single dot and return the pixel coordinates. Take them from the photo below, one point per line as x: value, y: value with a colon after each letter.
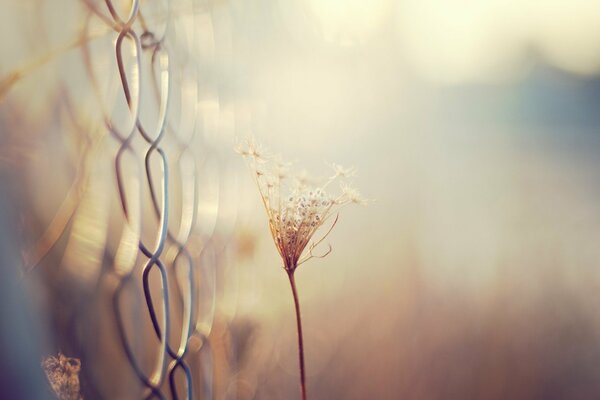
x: 300, y: 340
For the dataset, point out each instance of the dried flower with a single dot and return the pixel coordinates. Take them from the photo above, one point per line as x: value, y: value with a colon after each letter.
x: 298, y: 207
x: 63, y: 374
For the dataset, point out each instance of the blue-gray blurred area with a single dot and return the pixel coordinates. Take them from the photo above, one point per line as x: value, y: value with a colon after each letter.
x: 21, y: 375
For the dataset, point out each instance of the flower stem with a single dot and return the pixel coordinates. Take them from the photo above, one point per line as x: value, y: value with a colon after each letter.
x: 300, y: 341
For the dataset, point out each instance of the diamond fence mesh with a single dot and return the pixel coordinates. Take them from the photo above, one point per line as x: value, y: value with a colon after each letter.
x: 128, y: 203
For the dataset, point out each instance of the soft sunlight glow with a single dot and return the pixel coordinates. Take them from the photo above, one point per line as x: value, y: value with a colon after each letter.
x: 349, y: 21
x: 568, y: 33
x: 455, y: 41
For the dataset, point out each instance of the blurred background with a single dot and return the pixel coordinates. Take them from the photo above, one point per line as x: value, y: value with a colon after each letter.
x: 474, y: 127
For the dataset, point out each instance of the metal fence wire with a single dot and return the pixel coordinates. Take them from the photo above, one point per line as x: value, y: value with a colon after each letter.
x: 154, y: 251
x: 151, y: 44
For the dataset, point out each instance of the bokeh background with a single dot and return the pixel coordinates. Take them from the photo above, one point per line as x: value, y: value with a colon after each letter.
x: 474, y: 127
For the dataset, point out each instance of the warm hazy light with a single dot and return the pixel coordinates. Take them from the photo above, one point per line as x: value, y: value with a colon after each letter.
x: 454, y: 41
x: 451, y: 41
x: 472, y: 274
x: 568, y: 33
x: 349, y: 21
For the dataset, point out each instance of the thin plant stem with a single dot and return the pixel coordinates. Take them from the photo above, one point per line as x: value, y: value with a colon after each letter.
x: 300, y: 340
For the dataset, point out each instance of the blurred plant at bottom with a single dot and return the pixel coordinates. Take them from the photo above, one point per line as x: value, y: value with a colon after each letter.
x: 63, y: 375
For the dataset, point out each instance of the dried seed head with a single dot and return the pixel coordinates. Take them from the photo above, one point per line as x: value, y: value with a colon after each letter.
x: 296, y: 212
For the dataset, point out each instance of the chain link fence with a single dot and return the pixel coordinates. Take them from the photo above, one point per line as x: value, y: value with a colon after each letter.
x: 128, y: 202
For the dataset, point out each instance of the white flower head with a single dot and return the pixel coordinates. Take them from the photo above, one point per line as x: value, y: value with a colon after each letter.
x: 297, y: 209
